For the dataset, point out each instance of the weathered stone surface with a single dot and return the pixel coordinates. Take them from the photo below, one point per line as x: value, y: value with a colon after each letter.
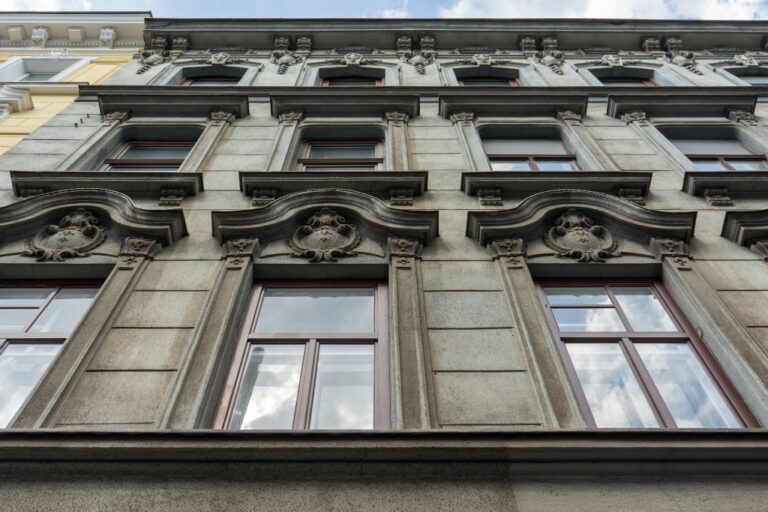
x: 179, y: 275
x: 141, y: 349
x: 460, y: 275
x: 161, y: 309
x: 475, y: 349
x: 467, y: 310
x: 749, y: 307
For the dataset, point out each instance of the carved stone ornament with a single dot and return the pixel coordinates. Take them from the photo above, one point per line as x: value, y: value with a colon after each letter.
x: 284, y: 60
x: 290, y: 117
x: 73, y: 237
x: 634, y: 195
x: 396, y: 118
x: 673, y: 249
x: 157, y: 54
x: 742, y: 116
x: 40, y: 36
x: 404, y: 44
x: 490, y: 197
x: 553, y: 59
x: 220, y: 117
x: 685, y: 60
x: 325, y: 237
x: 403, y: 250
x: 133, y: 250
x: 527, y: 44
x: 637, y: 116
x: 611, y: 60
x: 262, y: 197
x: 112, y: 118
x: 651, y: 44
x: 746, y: 60
x: 220, y: 58
x: 281, y: 43
x: 419, y: 60
x: 718, y: 197
x: 401, y: 197
x: 240, y: 251
x: 673, y: 44
x: 548, y: 43
x: 569, y: 117
x: 304, y: 44
x: 574, y: 235
x: 509, y: 250
x: 464, y: 118
x: 107, y: 37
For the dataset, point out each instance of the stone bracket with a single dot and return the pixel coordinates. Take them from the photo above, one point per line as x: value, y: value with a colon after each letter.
x: 263, y: 196
x: 490, y: 197
x: 172, y: 196
x: 401, y: 197
x: 718, y: 197
x: 239, y: 252
x: 509, y: 250
x: 675, y: 250
x: 634, y: 195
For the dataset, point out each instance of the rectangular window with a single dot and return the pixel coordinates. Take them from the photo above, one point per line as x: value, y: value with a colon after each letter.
x: 346, y: 155
x: 529, y: 155
x: 34, y: 323
x: 210, y: 80
x: 720, y: 155
x: 311, y: 356
x: 628, y: 81
x: 146, y: 155
x: 634, y: 361
x: 489, y: 81
x: 352, y: 81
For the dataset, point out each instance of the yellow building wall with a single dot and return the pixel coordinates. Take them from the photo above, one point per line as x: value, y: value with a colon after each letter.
x: 20, y: 124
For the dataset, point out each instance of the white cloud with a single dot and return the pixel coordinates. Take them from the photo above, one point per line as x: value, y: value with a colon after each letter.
x: 645, y: 9
x: 400, y: 11
x: 45, y: 5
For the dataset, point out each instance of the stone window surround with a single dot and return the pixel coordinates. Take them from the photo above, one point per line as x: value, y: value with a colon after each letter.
x: 513, y: 239
x: 291, y: 138
x: 660, y: 72
x: 524, y: 72
x: 174, y: 74
x: 313, y: 71
x: 576, y: 139
x: 754, y: 137
x: 79, y: 63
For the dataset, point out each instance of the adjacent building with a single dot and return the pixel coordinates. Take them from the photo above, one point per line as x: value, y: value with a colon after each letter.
x: 385, y: 265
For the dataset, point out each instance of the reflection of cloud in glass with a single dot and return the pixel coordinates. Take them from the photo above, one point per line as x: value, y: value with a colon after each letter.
x: 588, y: 320
x: 687, y: 389
x: 613, y: 393
x: 65, y: 311
x: 581, y: 295
x: 21, y: 366
x: 644, y: 310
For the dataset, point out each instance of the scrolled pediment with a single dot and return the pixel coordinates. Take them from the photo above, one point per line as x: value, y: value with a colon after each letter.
x: 326, y: 224
x: 581, y: 225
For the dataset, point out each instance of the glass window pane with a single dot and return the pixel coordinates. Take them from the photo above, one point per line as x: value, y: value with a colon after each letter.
x: 717, y: 147
x: 351, y: 81
x: 555, y: 165
x: 38, y: 77
x: 644, y: 309
x: 15, y: 320
x: 21, y: 366
x: 710, y: 165
x: 151, y: 168
x: 268, y: 388
x: 352, y: 151
x: 317, y: 310
x: 24, y: 296
x: 588, y: 296
x: 612, y: 390
x: 343, y: 396
x: 156, y: 152
x: 686, y: 387
x: 748, y: 165
x: 625, y: 81
x: 487, y: 82
x: 755, y: 79
x: 524, y: 147
x: 588, y: 320
x: 65, y: 310
x: 510, y: 165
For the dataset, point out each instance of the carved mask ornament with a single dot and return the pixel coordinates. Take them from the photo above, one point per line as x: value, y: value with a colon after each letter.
x: 574, y: 235
x: 325, y: 237
x: 73, y: 237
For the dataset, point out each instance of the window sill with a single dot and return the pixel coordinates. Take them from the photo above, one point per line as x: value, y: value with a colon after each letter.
x: 739, y: 184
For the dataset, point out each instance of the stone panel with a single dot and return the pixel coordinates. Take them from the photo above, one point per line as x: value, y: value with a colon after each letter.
x: 117, y: 397
x: 161, y: 309
x: 460, y: 275
x: 475, y: 349
x: 749, y: 307
x: 442, y: 161
x: 735, y: 275
x: 179, y: 275
x: 141, y: 349
x: 485, y: 398
x: 467, y: 310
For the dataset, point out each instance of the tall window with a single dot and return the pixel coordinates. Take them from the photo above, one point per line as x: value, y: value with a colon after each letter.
x: 34, y: 323
x: 720, y: 154
x: 528, y: 155
x: 148, y: 155
x: 350, y: 155
x: 311, y: 356
x: 634, y: 361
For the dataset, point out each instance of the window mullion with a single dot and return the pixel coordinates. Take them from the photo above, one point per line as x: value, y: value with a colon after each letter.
x: 306, y: 385
x: 652, y: 393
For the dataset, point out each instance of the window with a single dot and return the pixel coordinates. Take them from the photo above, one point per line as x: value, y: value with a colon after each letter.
x: 35, y: 69
x: 352, y: 81
x: 487, y: 76
x: 148, y: 155
x: 628, y: 81
x: 349, y: 155
x: 477, y: 81
x: 34, y: 323
x: 633, y: 359
x: 311, y: 357
x: 210, y: 80
x: 619, y: 76
x: 753, y: 75
x: 712, y: 150
x: 528, y: 155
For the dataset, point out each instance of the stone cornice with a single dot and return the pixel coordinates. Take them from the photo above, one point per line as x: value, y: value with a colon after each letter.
x: 330, y: 102
x: 523, y: 183
x: 523, y: 101
x: 746, y: 227
x: 683, y: 101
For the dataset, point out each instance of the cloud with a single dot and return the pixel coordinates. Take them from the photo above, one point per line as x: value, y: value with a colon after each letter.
x: 45, y: 5
x: 400, y: 11
x: 646, y: 9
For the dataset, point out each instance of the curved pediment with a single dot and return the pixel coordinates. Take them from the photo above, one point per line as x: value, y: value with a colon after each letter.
x: 581, y: 224
x: 77, y: 222
x: 322, y: 225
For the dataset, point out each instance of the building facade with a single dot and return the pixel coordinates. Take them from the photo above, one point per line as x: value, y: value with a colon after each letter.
x: 394, y: 265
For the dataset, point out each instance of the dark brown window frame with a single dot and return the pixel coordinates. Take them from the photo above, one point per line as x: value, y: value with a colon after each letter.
x: 512, y: 82
x: 312, y: 342
x: 375, y: 82
x: 627, y: 340
x: 724, y: 160
x: 116, y: 162
x: 187, y: 82
x: 306, y: 163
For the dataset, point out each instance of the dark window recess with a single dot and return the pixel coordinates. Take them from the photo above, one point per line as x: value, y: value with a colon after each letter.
x: 210, y: 80
x: 311, y: 356
x: 489, y: 82
x: 529, y: 155
x: 634, y: 360
x: 155, y: 155
x: 347, y: 155
x: 352, y: 81
x: 720, y: 155
x: 35, y: 321
x: 628, y: 81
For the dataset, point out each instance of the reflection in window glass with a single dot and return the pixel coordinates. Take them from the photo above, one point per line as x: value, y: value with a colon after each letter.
x: 343, y: 397
x: 644, y: 310
x: 24, y: 296
x: 588, y: 320
x: 269, y: 387
x: 686, y: 387
x: 65, y: 311
x: 581, y: 295
x: 510, y: 165
x: 611, y: 388
x: 317, y: 310
x: 555, y: 165
x: 16, y: 320
x: 21, y: 367
x: 747, y: 165
x: 710, y: 165
x: 333, y: 152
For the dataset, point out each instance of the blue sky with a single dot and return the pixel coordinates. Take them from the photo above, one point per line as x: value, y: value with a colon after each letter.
x: 700, y: 9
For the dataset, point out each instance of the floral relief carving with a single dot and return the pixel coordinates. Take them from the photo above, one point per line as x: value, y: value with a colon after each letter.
x: 575, y: 235
x: 747, y: 60
x: 637, y: 117
x: 325, y: 236
x: 73, y: 237
x: 742, y: 116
